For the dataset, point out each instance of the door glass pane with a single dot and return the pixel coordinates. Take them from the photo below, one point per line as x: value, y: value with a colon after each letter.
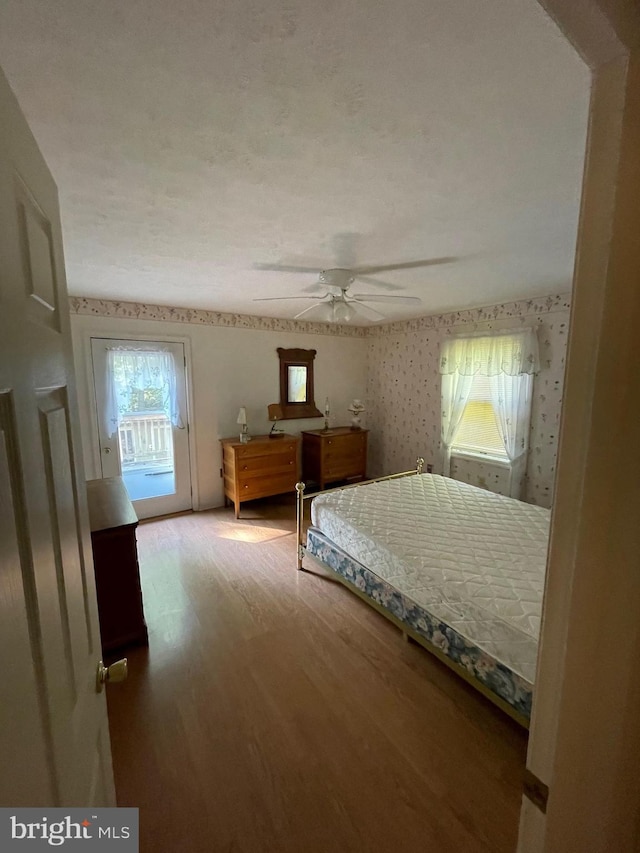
x: 146, y: 454
x: 142, y: 384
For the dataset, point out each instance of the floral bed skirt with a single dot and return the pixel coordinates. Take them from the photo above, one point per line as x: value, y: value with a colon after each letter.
x: 497, y: 678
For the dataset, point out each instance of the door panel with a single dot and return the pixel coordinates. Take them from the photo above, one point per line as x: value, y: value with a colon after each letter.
x: 51, y: 717
x: 64, y: 512
x: 38, y: 253
x: 26, y: 728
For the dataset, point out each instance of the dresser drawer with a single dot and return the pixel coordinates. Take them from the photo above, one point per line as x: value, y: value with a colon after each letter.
x: 346, y: 444
x: 344, y: 453
x: 261, y: 487
x: 342, y: 471
x: 257, y: 466
x: 341, y: 466
x: 250, y: 450
x: 288, y: 469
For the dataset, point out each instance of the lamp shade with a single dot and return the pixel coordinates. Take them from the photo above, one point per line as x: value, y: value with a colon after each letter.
x: 242, y: 415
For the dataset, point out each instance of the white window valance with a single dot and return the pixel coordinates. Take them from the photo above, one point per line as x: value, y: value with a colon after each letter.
x: 512, y: 352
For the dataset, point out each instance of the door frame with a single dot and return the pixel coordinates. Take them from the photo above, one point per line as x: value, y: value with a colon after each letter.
x: 585, y: 728
x: 92, y: 403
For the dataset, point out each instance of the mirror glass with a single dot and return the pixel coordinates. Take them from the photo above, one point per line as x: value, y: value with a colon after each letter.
x: 296, y: 383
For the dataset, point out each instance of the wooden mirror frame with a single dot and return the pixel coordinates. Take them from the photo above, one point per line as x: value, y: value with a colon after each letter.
x: 297, y: 358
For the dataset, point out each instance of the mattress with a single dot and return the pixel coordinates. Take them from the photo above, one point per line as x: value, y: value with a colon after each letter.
x: 472, y: 559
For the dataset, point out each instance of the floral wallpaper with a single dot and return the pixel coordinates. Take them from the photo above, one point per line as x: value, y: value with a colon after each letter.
x: 403, y: 386
x: 495, y: 478
x: 403, y: 390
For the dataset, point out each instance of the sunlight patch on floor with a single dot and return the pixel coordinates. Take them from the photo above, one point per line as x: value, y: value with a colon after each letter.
x: 254, y: 534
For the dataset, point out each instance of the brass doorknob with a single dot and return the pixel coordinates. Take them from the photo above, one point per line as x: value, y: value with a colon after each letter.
x: 106, y: 674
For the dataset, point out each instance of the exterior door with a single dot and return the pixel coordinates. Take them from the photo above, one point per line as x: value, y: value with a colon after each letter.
x: 149, y: 451
x: 54, y: 738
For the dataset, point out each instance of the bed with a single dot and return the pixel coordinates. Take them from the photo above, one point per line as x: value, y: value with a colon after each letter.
x: 458, y: 569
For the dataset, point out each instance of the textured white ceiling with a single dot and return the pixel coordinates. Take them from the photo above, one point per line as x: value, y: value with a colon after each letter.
x: 191, y: 140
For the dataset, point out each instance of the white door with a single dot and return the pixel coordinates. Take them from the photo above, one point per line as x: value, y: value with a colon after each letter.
x: 136, y: 379
x: 54, y: 737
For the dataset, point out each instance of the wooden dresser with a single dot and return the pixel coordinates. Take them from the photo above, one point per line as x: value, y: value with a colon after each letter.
x: 337, y: 454
x: 262, y: 467
x: 113, y: 523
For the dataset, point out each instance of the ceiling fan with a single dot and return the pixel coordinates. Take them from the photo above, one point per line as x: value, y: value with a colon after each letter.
x: 338, y: 304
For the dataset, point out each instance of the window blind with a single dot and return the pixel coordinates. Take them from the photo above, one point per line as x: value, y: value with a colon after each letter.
x: 478, y: 430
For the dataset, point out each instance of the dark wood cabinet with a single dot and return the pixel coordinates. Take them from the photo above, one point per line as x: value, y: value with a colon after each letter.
x: 113, y: 524
x: 260, y: 468
x: 334, y: 455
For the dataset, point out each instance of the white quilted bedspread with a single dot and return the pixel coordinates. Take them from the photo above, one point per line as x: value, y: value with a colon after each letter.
x: 472, y: 558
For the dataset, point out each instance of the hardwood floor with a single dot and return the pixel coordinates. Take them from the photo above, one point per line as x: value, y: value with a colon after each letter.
x: 275, y: 711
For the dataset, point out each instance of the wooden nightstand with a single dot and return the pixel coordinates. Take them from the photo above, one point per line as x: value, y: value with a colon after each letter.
x: 337, y: 454
x: 262, y: 467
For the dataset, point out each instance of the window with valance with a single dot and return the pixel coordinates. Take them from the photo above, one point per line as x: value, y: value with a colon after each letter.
x: 487, y: 383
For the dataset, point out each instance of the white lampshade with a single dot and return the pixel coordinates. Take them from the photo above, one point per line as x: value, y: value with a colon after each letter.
x: 242, y: 416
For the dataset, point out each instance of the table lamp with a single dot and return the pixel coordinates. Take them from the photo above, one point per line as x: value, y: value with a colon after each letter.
x: 356, y: 408
x: 244, y: 430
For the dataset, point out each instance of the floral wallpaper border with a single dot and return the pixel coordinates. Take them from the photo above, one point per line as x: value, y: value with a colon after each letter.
x: 202, y: 317
x: 502, y: 311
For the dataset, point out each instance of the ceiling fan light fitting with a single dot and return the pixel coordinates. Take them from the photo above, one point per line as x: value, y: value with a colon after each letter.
x: 325, y: 312
x: 342, y: 312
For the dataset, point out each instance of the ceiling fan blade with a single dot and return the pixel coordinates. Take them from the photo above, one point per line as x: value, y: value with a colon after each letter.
x: 284, y: 268
x: 310, y: 308
x: 277, y: 298
x: 375, y: 297
x: 385, y: 285
x: 409, y: 265
x: 318, y: 287
x: 365, y: 310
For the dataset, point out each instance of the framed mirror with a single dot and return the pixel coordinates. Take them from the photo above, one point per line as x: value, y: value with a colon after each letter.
x: 296, y: 383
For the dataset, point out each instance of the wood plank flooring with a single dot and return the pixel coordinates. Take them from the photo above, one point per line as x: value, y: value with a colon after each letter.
x: 275, y: 711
